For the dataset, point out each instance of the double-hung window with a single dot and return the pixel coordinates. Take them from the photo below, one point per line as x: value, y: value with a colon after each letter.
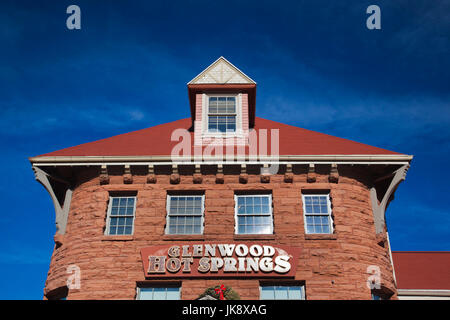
x: 120, y: 219
x: 185, y: 214
x: 222, y: 114
x: 282, y: 292
x: 254, y: 214
x: 317, y: 213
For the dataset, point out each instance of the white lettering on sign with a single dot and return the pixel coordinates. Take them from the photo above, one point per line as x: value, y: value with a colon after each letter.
x: 226, y: 257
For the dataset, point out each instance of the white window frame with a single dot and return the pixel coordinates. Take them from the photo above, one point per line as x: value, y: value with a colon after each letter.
x: 282, y: 285
x: 330, y: 212
x: 108, y: 216
x: 236, y: 226
x: 202, y: 226
x: 205, y: 116
x: 138, y: 291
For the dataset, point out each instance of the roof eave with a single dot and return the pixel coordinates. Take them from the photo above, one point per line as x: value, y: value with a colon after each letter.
x: 344, y: 159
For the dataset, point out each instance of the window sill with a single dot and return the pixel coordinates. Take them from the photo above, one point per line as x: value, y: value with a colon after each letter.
x: 170, y: 237
x: 254, y: 237
x: 320, y: 237
x: 118, y: 238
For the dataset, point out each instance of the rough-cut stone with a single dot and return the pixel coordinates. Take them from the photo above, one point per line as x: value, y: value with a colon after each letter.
x: 243, y: 178
x: 151, y: 178
x: 197, y: 178
x: 332, y: 267
x: 175, y: 178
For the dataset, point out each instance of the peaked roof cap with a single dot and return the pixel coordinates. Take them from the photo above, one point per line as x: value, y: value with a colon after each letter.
x: 222, y: 71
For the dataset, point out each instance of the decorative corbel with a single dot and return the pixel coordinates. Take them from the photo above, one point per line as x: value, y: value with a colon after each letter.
x: 175, y: 176
x: 127, y: 176
x: 104, y: 177
x: 334, y: 174
x: 219, y: 175
x: 289, y: 175
x: 151, y: 177
x: 61, y: 209
x: 243, y: 177
x: 311, y: 176
x: 197, y: 178
x: 265, y: 174
x: 379, y: 208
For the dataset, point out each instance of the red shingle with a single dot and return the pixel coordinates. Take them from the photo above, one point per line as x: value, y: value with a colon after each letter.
x: 422, y: 270
x: 155, y: 141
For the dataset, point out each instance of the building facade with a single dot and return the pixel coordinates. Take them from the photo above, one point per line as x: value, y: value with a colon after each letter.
x: 221, y: 198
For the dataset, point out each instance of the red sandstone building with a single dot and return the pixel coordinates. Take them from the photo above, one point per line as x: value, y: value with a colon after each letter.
x: 221, y: 198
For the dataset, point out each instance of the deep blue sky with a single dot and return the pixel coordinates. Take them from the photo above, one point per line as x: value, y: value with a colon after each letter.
x: 316, y: 64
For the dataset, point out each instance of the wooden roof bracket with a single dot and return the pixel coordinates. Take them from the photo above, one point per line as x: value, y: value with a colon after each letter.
x: 61, y: 209
x: 379, y: 208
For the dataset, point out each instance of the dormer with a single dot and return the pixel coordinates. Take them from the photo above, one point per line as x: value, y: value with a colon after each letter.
x: 222, y: 100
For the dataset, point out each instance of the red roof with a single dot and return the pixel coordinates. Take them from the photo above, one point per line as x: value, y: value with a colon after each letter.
x: 422, y: 270
x: 156, y: 141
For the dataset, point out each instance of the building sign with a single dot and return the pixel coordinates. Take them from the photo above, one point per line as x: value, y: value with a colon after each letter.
x: 219, y: 260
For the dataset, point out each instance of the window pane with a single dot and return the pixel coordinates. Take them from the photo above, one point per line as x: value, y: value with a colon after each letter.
x: 295, y: 293
x: 173, y: 294
x: 159, y: 293
x: 146, y: 294
x: 261, y: 229
x: 267, y: 293
x: 121, y: 215
x: 130, y: 211
x: 221, y: 123
x: 129, y: 222
x: 112, y: 230
x: 281, y: 293
x: 254, y: 214
x: 114, y: 221
x: 317, y: 214
x: 185, y: 215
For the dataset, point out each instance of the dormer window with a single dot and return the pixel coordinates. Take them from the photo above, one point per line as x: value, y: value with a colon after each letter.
x: 222, y: 114
x: 222, y: 100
